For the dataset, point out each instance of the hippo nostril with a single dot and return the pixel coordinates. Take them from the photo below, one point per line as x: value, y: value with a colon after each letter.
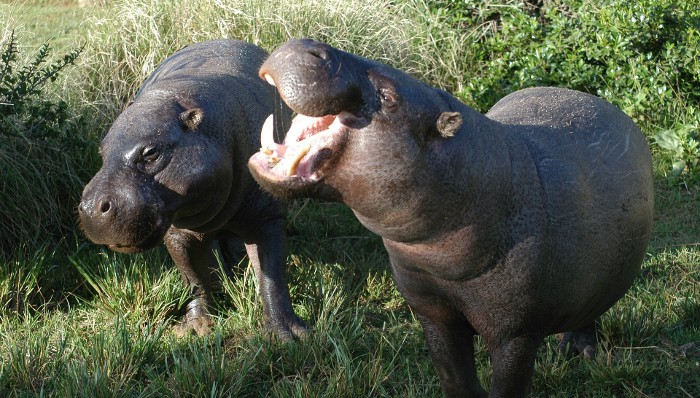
x: 318, y: 52
x: 104, y: 208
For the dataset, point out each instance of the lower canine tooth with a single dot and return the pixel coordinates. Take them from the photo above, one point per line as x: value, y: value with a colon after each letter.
x: 295, y: 163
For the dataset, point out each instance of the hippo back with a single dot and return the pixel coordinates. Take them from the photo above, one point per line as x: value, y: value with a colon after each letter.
x: 210, y: 58
x: 595, y: 170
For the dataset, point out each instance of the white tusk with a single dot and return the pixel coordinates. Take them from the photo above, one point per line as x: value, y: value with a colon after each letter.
x: 270, y: 79
x: 267, y: 140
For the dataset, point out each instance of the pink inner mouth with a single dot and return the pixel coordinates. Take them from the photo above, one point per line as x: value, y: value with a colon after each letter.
x: 306, y: 138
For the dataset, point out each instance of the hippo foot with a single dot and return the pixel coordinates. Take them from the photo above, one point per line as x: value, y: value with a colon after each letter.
x: 287, y: 328
x: 581, y: 341
x: 196, y: 321
x: 194, y: 327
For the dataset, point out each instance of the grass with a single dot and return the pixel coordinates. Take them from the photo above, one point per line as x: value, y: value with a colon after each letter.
x: 58, y: 21
x: 115, y: 339
x: 79, y: 321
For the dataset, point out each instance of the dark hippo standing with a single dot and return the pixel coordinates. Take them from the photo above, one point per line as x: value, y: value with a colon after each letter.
x: 174, y: 169
x: 529, y: 221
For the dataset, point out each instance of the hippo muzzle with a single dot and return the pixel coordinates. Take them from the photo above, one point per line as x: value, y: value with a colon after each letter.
x: 312, y: 79
x: 114, y: 213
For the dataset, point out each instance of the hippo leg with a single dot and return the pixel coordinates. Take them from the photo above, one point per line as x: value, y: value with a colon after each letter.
x: 192, y: 256
x: 513, y: 363
x: 232, y: 251
x: 451, y: 346
x: 580, y: 341
x: 267, y: 252
x: 449, y: 335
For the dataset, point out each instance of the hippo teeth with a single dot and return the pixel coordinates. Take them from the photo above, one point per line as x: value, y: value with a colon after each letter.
x: 289, y: 164
x: 267, y: 140
x: 293, y: 161
x: 270, y: 79
x: 304, y: 135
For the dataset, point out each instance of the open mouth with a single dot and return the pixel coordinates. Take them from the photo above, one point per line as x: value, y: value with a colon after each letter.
x: 312, y: 147
x: 308, y: 144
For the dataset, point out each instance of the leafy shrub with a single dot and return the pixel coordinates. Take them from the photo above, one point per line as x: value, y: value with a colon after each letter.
x: 632, y: 53
x: 643, y: 56
x: 42, y: 156
x: 681, y: 146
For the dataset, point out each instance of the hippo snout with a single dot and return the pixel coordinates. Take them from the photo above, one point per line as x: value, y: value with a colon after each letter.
x: 315, y: 49
x: 124, y: 219
x: 100, y: 210
x: 299, y: 67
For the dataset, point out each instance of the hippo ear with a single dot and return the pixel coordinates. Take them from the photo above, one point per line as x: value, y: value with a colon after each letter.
x: 449, y: 123
x: 191, y: 118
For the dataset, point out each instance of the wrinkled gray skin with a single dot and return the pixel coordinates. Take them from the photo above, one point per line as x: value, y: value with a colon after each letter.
x: 528, y: 221
x: 174, y: 169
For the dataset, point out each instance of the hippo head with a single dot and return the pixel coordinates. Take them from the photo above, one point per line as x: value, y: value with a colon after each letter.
x: 356, y: 117
x: 160, y: 168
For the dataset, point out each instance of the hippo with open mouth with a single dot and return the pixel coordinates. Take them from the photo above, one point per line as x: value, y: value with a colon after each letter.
x: 528, y: 221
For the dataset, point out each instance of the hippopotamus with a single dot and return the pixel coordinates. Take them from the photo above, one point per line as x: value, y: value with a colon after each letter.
x: 174, y: 170
x: 528, y: 221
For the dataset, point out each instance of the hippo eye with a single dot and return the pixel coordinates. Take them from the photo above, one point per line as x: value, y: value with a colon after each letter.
x: 389, y: 97
x: 150, y: 154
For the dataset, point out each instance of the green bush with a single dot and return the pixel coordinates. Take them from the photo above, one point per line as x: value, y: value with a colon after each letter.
x: 43, y: 157
x: 681, y: 149
x: 643, y: 56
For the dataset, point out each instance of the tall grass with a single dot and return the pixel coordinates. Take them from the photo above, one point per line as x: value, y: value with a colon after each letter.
x: 151, y: 30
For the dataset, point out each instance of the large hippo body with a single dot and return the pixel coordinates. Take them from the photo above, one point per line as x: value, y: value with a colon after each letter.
x: 529, y: 221
x: 174, y: 169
